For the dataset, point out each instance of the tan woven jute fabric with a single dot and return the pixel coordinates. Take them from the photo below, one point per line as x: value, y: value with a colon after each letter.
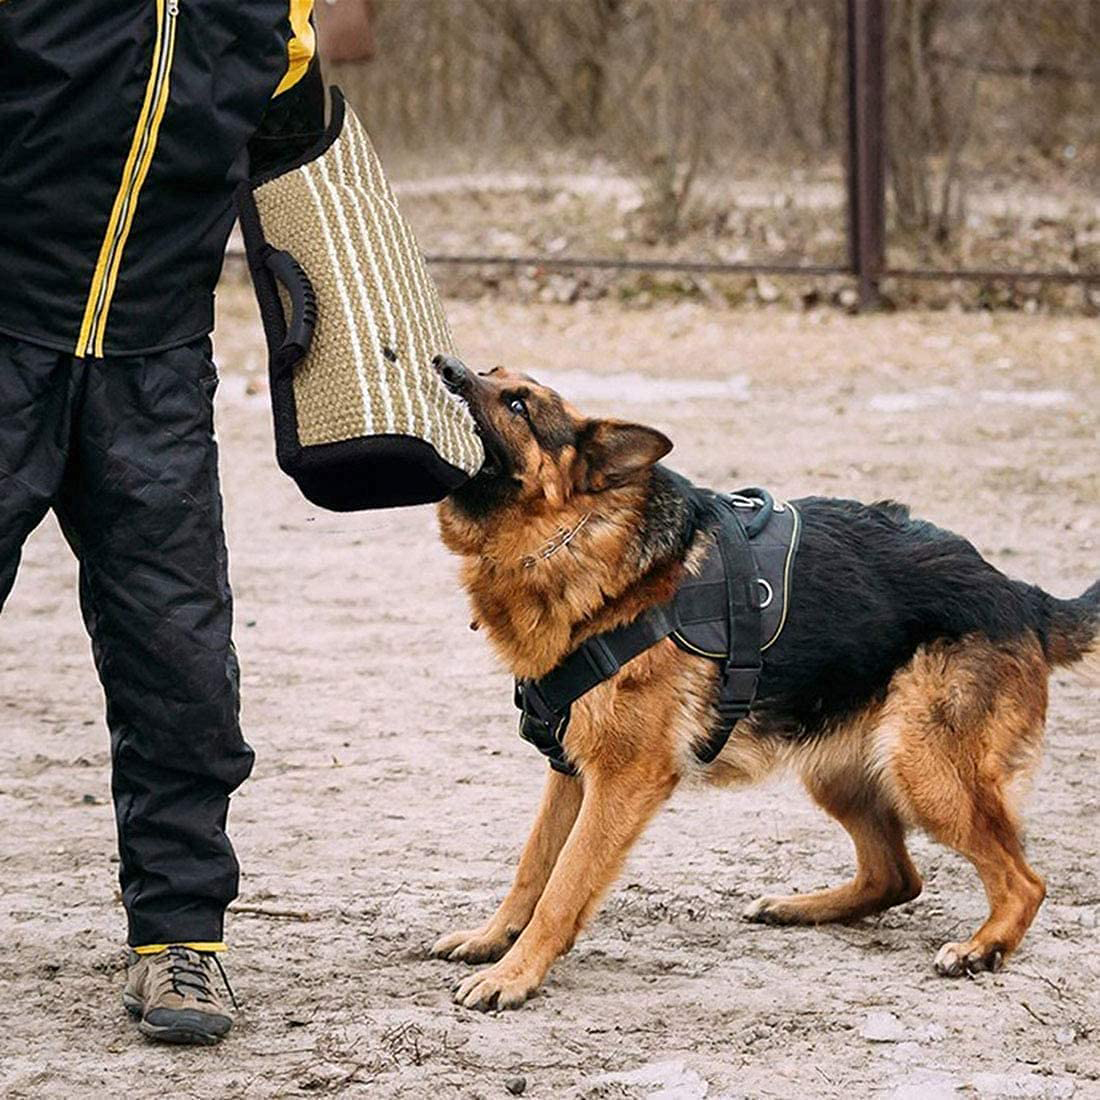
x: 379, y: 318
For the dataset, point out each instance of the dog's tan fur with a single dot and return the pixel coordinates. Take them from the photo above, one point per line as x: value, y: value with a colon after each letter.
x: 945, y: 751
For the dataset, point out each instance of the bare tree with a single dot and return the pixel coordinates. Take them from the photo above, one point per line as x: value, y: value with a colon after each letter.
x: 675, y: 91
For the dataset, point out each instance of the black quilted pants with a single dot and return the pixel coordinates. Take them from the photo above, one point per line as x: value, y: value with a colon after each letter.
x: 123, y: 451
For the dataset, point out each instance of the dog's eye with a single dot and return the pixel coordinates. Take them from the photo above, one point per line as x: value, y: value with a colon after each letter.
x: 519, y: 407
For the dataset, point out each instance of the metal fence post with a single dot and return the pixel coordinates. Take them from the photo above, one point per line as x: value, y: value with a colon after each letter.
x: 867, y: 146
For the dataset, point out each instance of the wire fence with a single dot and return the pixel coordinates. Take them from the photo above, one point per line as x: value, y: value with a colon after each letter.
x: 872, y: 139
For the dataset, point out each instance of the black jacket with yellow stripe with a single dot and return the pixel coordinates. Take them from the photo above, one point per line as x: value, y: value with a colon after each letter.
x: 123, y: 131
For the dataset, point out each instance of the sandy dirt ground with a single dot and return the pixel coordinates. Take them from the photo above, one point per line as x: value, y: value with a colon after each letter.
x: 391, y: 793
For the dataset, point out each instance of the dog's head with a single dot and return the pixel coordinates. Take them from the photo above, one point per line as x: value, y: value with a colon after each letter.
x: 540, y: 452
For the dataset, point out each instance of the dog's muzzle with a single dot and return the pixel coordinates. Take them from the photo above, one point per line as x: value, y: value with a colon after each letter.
x: 455, y: 374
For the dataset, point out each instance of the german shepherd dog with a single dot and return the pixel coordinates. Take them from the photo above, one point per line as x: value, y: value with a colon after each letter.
x: 907, y: 689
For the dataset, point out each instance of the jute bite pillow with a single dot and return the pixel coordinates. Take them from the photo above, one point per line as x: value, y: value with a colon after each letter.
x: 353, y: 322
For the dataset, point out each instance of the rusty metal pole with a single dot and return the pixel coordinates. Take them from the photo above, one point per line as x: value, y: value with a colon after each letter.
x: 867, y: 146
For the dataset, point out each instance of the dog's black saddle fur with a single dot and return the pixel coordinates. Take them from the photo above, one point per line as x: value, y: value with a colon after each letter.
x: 731, y: 610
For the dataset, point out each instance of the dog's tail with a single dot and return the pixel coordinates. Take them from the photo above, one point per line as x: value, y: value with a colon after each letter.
x: 1073, y: 633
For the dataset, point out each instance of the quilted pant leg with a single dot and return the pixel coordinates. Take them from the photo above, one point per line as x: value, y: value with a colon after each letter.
x: 35, y: 403
x: 141, y: 505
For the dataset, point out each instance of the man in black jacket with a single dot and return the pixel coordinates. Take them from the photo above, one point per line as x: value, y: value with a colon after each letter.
x: 123, y: 130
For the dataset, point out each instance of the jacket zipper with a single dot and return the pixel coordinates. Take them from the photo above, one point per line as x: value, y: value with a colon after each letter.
x: 142, y: 147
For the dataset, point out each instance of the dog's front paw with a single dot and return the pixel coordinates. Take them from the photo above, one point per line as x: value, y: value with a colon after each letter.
x: 953, y: 960
x: 773, y: 910
x: 473, y: 945
x: 502, y: 986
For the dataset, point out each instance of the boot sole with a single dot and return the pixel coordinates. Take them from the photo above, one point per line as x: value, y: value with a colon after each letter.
x: 182, y: 1036
x: 169, y: 1033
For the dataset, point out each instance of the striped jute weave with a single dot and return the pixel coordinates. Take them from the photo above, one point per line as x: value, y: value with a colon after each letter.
x: 367, y: 371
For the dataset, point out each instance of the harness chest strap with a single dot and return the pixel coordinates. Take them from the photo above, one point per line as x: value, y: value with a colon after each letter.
x: 546, y: 703
x: 741, y: 670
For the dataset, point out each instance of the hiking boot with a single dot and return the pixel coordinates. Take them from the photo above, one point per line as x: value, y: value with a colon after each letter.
x: 173, y: 993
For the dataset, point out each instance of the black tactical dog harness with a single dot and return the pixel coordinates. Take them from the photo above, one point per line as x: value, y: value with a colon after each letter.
x: 732, y: 610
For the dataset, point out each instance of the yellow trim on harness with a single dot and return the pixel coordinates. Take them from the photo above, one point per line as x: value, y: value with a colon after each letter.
x: 142, y: 147
x: 157, y: 948
x: 302, y: 45
x: 786, y: 577
x: 681, y: 640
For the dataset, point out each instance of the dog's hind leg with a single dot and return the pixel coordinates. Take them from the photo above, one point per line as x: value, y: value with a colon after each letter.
x: 969, y: 723
x: 1014, y: 890
x: 885, y: 875
x: 561, y: 801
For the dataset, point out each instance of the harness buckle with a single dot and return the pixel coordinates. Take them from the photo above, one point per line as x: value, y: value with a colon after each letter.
x: 600, y: 659
x: 735, y: 697
x: 541, y: 726
x: 734, y: 702
x: 730, y: 712
x: 738, y: 688
x: 531, y: 701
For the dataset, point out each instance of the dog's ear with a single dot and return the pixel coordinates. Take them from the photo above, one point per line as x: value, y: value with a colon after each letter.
x: 613, y: 452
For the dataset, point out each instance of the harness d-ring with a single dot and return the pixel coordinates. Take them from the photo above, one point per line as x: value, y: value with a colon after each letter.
x: 768, y: 593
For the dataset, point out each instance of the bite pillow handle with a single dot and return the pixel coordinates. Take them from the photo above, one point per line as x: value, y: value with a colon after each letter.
x: 303, y: 308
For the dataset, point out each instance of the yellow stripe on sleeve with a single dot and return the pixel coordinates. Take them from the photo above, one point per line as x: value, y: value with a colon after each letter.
x: 302, y: 45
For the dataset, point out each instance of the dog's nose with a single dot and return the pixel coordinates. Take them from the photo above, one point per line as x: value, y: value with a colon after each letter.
x: 453, y: 371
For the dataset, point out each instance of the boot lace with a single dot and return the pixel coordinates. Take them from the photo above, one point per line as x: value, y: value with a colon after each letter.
x: 189, y: 972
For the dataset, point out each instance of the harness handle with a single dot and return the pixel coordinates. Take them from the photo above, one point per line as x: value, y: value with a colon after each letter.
x: 760, y: 500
